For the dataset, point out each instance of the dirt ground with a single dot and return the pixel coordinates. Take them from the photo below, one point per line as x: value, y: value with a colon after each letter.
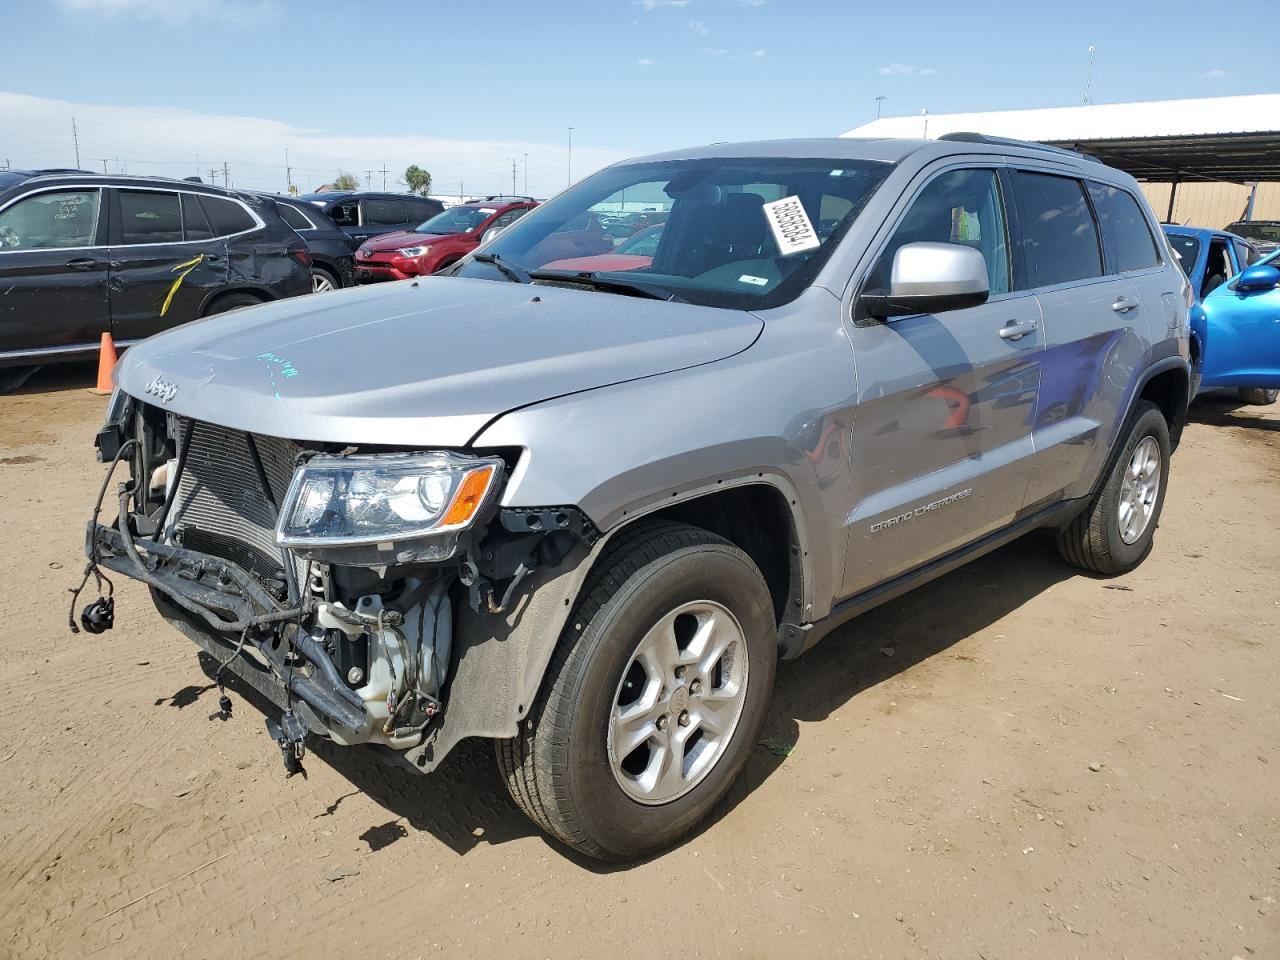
x: 1038, y: 765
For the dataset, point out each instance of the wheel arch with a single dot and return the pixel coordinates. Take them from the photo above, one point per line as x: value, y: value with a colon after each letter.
x: 263, y: 295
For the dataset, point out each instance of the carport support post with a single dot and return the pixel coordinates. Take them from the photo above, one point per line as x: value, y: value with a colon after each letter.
x: 1173, y: 194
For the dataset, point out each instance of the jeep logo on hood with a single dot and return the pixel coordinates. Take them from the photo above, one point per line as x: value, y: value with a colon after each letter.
x: 161, y: 389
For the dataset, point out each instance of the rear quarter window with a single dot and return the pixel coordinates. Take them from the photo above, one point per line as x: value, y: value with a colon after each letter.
x: 226, y: 216
x: 1126, y: 237
x: 294, y: 217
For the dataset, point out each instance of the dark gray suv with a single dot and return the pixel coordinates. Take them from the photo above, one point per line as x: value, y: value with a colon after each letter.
x: 580, y: 502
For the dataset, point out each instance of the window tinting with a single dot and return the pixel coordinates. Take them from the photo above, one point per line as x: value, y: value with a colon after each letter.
x: 226, y: 216
x: 67, y: 218
x: 1186, y: 249
x: 384, y: 212
x: 346, y: 214
x: 149, y: 216
x: 964, y: 207
x: 1059, y: 239
x: 294, y: 217
x: 195, y: 225
x: 1125, y: 235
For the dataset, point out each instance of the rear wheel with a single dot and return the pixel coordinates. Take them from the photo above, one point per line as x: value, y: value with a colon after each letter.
x: 322, y: 281
x: 654, y: 699
x: 1114, y: 533
x: 231, y: 301
x: 1259, y: 396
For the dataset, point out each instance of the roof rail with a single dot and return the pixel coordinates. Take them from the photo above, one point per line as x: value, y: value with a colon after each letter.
x: 965, y: 136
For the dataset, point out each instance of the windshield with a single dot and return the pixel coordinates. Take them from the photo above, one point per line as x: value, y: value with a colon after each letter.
x: 743, y: 233
x: 1187, y: 249
x: 1256, y: 230
x: 456, y: 220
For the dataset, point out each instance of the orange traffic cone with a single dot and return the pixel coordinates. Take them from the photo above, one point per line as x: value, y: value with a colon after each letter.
x: 106, y: 363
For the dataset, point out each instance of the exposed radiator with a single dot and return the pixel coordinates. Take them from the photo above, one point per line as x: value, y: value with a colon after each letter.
x: 220, y: 507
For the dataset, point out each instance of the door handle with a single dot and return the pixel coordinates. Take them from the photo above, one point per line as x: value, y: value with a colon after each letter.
x: 1017, y: 329
x: 83, y: 263
x: 1124, y: 304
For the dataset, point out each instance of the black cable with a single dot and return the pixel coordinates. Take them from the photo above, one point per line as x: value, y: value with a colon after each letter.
x: 91, y: 568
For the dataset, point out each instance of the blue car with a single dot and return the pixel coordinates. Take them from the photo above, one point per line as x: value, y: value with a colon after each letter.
x: 1235, y: 322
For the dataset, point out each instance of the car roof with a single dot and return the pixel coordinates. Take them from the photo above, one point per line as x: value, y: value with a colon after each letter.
x: 888, y: 150
x: 89, y: 178
x: 357, y: 194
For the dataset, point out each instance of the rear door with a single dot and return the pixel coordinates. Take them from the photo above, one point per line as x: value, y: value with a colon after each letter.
x: 941, y: 444
x: 380, y: 215
x: 1095, y: 326
x: 1242, y: 337
x: 53, y: 273
x: 166, y: 259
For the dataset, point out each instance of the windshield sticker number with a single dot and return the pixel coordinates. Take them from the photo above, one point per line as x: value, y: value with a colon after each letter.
x: 791, y: 228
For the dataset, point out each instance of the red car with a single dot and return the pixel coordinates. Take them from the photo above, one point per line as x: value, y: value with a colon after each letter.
x: 434, y: 245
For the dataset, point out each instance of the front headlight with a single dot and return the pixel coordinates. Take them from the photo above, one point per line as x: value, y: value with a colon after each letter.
x: 397, y: 507
x: 413, y: 251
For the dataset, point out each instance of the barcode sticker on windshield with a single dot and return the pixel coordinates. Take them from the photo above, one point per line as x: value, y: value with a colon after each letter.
x: 791, y: 227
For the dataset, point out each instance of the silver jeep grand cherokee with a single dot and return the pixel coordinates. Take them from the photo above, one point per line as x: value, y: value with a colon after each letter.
x: 579, y: 496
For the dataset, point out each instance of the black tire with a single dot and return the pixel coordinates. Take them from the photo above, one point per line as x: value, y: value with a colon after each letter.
x: 1258, y: 396
x: 231, y: 301
x: 1092, y: 541
x: 558, y: 768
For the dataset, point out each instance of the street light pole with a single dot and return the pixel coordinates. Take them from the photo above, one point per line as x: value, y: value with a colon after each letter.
x: 880, y: 102
x: 526, y: 174
x: 571, y: 156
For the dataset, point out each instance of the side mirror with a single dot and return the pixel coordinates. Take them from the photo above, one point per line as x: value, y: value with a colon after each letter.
x: 1261, y: 276
x: 930, y: 278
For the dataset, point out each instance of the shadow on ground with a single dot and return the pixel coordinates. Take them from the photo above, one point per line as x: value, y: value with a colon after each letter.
x: 465, y: 802
x: 1226, y: 410
x: 52, y: 378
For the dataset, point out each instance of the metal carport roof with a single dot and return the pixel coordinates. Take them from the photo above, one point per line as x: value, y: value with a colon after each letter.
x: 1211, y: 138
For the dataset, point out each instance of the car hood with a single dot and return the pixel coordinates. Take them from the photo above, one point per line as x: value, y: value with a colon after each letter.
x: 418, y: 363
x: 404, y: 238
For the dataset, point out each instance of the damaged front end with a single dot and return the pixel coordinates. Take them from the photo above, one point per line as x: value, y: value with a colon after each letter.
x: 341, y: 584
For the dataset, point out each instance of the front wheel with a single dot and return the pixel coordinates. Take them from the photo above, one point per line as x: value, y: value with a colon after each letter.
x: 1114, y: 532
x: 1258, y: 396
x: 654, y: 698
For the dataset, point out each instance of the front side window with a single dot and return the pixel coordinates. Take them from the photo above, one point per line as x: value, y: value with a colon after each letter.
x: 963, y: 207
x: 1059, y: 239
x: 741, y: 233
x: 1245, y: 255
x: 51, y: 221
x: 455, y: 220
x: 384, y: 212
x: 1125, y: 233
x: 505, y: 220
x: 150, y: 216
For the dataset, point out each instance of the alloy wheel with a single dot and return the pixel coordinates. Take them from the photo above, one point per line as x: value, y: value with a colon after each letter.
x: 1139, y: 490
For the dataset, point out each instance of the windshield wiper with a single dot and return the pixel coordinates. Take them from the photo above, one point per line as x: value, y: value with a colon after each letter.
x: 589, y: 278
x: 505, y: 267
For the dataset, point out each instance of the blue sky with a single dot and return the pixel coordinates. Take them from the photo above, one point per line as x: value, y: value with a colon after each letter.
x: 470, y: 85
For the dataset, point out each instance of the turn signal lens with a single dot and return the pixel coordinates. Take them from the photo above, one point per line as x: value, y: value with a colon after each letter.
x: 469, y: 497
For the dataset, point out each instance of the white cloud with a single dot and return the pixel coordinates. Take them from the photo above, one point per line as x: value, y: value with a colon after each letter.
x: 758, y: 53
x: 753, y: 3
x: 698, y: 27
x: 715, y: 51
x: 1217, y: 73
x: 646, y: 61
x: 648, y: 5
x: 166, y: 141
x: 906, y: 70
x: 178, y: 12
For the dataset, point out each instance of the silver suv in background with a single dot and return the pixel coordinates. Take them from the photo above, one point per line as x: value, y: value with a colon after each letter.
x: 583, y: 509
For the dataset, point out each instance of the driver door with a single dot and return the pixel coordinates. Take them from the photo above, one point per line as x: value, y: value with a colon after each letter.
x: 1242, y: 337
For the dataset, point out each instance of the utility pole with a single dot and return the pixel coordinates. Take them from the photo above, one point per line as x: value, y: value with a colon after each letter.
x: 197, y: 164
x: 460, y: 191
x: 1088, y: 80
x: 75, y: 138
x: 879, y: 103
x: 226, y: 176
x: 213, y: 176
x: 288, y: 173
x: 513, y: 176
x: 368, y: 179
x: 571, y: 156
x: 526, y: 174
x: 925, y: 113
x: 384, y: 176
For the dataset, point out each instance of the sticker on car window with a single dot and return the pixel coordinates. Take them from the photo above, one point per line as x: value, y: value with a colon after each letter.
x: 791, y: 228
x: 754, y: 281
x: 965, y: 226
